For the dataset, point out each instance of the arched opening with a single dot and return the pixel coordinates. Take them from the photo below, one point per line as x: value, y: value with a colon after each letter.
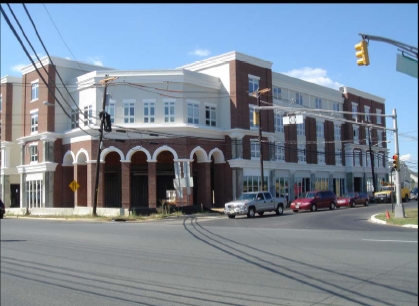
x: 165, y: 174
x: 113, y: 180
x: 139, y: 180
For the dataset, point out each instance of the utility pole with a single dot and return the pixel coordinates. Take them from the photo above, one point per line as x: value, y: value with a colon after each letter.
x: 257, y: 95
x: 99, y: 150
x: 374, y: 186
x: 399, y: 209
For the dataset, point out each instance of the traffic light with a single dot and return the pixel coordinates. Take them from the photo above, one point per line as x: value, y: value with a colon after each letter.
x: 106, y: 120
x: 255, y: 118
x: 396, y: 162
x: 362, y: 53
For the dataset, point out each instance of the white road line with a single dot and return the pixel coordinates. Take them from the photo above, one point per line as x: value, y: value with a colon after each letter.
x: 391, y: 240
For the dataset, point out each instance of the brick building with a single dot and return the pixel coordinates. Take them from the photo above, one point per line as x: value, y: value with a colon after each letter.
x: 188, y: 129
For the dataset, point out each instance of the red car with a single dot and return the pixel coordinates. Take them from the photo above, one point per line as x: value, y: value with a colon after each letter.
x: 313, y: 200
x: 352, y: 199
x: 2, y: 209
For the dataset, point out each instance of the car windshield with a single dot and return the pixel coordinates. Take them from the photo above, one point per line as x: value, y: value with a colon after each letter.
x: 309, y: 195
x: 247, y: 196
x: 349, y: 195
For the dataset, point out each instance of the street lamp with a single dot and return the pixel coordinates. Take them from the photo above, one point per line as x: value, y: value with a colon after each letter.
x: 48, y: 103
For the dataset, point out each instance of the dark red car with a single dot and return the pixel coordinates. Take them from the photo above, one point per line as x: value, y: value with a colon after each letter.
x: 352, y: 199
x: 313, y: 200
x: 2, y: 209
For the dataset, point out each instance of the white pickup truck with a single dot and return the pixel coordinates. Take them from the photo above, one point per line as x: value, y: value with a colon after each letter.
x: 250, y: 203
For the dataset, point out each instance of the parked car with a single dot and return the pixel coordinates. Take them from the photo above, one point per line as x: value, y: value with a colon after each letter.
x: 250, y: 203
x: 352, y: 199
x: 313, y: 200
x: 2, y: 209
x: 414, y: 194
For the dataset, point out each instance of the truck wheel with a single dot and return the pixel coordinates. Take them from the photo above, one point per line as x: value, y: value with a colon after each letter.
x: 251, y: 212
x: 406, y: 198
x: 231, y: 216
x: 313, y: 207
x: 279, y: 210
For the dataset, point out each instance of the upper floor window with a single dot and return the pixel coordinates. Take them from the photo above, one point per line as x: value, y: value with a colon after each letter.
x: 321, y: 155
x: 320, y: 130
x: 88, y: 114
x: 298, y: 98
x: 193, y: 113
x: 149, y: 114
x: 254, y: 148
x: 337, y: 130
x: 129, y: 111
x: 33, y: 153
x: 379, y: 138
x: 74, y: 118
x: 354, y: 111
x: 318, y: 103
x: 277, y: 92
x: 34, y: 90
x: 169, y: 111
x: 252, y: 124
x: 367, y: 113
x: 279, y: 123
x: 210, y: 115
x: 279, y: 152
x: 301, y: 129
x: 356, y: 133
x: 368, y: 159
x: 110, y: 109
x: 379, y: 111
x: 301, y: 153
x: 253, y: 83
x: 338, y: 156
x: 357, y: 158
x: 34, y: 121
x: 336, y: 107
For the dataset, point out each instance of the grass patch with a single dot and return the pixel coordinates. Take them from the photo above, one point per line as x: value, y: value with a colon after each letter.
x: 410, y: 213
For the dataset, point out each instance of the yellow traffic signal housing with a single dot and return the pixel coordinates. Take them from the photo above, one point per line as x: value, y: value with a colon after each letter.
x: 255, y: 118
x: 362, y: 53
x: 396, y: 162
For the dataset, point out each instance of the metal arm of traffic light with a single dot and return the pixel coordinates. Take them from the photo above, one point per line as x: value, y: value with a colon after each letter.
x: 410, y: 49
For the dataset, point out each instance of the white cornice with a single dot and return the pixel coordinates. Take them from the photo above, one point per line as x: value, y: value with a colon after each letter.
x: 356, y: 92
x: 34, y: 168
x: 10, y: 79
x: 225, y: 58
x: 47, y: 136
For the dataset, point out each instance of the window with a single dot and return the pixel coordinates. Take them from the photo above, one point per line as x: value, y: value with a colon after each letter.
x: 253, y: 183
x: 149, y: 112
x: 368, y: 159
x: 337, y: 130
x: 321, y: 155
x: 336, y: 107
x: 34, y: 121
x: 34, y: 193
x: 298, y: 98
x: 338, y: 157
x: 318, y: 103
x: 380, y: 160
x: 210, y: 115
x: 34, y: 90
x: 357, y: 158
x: 254, y: 148
x: 281, y: 186
x: 320, y: 129
x: 279, y: 152
x: 379, y: 111
x: 301, y: 153
x: 367, y: 113
x: 74, y: 118
x: 279, y: 123
x: 169, y: 111
x: 253, y: 83
x: 301, y: 129
x: 193, y: 113
x: 354, y: 111
x: 129, y: 113
x: 356, y: 133
x: 110, y: 109
x: 321, y: 184
x: 33, y: 151
x: 252, y: 124
x: 277, y: 92
x: 379, y: 138
x: 88, y: 114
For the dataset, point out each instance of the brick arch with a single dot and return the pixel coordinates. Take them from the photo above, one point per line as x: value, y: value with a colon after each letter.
x: 218, y: 156
x: 200, y: 153
x: 164, y: 148
x: 111, y: 149
x: 82, y: 153
x: 68, y: 158
x: 132, y: 151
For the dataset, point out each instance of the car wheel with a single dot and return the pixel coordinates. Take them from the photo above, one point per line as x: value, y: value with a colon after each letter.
x: 279, y: 210
x: 352, y: 204
x: 261, y: 213
x: 231, y: 216
x: 366, y: 203
x: 332, y: 206
x: 251, y: 212
x: 296, y: 211
x: 406, y: 198
x: 313, y: 207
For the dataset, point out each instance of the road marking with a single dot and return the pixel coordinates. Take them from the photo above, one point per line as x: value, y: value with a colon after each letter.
x: 391, y: 240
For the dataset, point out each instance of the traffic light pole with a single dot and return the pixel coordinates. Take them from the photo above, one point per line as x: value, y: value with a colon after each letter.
x: 372, y: 163
x: 399, y: 208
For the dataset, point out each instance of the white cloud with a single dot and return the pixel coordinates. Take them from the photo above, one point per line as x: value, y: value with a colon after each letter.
x: 200, y: 52
x: 405, y: 157
x: 18, y: 67
x: 95, y: 61
x: 314, y: 75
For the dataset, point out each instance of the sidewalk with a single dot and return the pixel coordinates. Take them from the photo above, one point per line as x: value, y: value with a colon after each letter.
x: 375, y: 220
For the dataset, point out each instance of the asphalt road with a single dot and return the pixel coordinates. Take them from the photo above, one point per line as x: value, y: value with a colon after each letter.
x: 322, y: 258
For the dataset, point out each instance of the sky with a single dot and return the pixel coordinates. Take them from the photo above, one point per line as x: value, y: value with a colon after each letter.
x: 313, y: 42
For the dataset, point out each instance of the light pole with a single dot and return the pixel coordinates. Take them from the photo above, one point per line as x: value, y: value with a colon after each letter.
x: 372, y: 163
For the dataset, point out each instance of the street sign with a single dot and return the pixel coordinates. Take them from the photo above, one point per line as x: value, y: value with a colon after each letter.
x: 293, y: 119
x: 407, y: 65
x: 74, y: 186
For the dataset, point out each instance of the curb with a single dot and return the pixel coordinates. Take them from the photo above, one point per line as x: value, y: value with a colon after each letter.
x: 375, y: 220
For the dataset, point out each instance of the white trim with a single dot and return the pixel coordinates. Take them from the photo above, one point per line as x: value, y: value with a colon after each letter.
x: 251, y: 76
